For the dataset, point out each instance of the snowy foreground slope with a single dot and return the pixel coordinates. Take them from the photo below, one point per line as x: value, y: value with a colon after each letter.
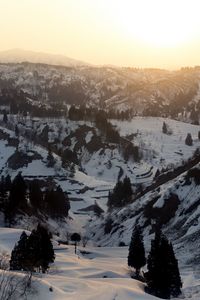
x: 100, y: 274
x: 97, y: 273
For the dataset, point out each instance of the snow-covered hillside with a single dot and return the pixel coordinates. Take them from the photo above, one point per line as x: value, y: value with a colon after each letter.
x: 103, y: 164
x: 159, y: 149
x: 147, y: 92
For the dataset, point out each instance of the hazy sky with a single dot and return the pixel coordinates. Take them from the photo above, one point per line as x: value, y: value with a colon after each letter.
x: 144, y: 33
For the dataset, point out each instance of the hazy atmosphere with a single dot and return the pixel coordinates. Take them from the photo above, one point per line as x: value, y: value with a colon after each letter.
x: 144, y: 33
x: 99, y: 149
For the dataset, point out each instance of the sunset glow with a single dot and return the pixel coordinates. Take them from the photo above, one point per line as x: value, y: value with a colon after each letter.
x: 130, y: 32
x: 160, y: 23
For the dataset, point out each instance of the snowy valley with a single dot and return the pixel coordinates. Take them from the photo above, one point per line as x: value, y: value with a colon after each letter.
x: 72, y: 134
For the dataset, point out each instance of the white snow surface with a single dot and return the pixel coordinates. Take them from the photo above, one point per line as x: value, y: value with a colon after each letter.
x: 94, y: 273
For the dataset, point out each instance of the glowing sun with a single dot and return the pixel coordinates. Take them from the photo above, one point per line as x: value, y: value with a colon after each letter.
x: 160, y: 23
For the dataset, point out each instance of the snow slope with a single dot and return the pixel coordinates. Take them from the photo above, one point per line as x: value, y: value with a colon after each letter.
x: 99, y: 273
x: 159, y: 149
x: 95, y: 275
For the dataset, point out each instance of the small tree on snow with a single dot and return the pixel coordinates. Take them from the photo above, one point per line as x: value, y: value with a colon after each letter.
x: 164, y: 128
x: 189, y: 140
x: 136, y: 255
x: 75, y: 237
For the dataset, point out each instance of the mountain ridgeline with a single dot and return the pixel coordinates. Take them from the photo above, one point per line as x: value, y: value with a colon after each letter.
x: 145, y: 92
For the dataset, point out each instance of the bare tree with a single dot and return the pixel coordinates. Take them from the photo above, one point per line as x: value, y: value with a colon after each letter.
x: 13, y: 285
x: 85, y: 240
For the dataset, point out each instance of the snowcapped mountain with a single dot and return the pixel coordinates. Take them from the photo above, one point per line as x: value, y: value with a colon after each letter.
x: 20, y: 55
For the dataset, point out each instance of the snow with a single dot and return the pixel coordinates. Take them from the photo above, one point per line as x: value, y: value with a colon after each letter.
x: 102, y: 275
x: 163, y: 150
x: 94, y: 273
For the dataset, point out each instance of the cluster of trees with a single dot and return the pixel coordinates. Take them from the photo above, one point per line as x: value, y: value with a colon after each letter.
x: 130, y: 151
x: 18, y: 196
x: 121, y: 194
x: 106, y: 128
x: 33, y: 253
x: 162, y: 278
x: 77, y: 113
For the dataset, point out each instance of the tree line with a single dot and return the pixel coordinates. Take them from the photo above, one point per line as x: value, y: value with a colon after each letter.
x: 121, y: 194
x: 18, y: 196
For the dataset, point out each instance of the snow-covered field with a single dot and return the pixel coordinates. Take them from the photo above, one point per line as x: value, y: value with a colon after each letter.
x: 95, y: 273
x: 160, y: 149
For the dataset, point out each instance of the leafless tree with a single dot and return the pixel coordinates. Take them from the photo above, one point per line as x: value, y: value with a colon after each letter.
x: 13, y: 285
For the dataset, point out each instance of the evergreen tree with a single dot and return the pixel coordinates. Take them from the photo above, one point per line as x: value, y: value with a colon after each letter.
x: 56, y: 203
x: 19, y: 254
x: 8, y: 183
x: 127, y: 189
x: 17, y: 198
x: 41, y: 252
x: 62, y: 203
x: 16, y: 130
x: 35, y: 195
x: 136, y: 255
x: 176, y: 284
x: 50, y: 159
x: 163, y: 278
x: 189, y: 140
x: 164, y: 128
x: 5, y: 118
x: 121, y: 194
x: 3, y: 194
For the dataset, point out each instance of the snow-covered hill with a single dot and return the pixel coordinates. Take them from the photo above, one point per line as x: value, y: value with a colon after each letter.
x: 19, y: 55
x: 147, y: 92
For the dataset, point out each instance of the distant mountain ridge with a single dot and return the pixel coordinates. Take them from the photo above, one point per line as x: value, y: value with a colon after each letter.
x: 20, y: 55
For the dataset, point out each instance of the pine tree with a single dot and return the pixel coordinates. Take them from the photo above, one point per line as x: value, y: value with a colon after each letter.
x: 136, y: 255
x: 56, y: 203
x: 189, y: 140
x: 50, y: 159
x: 62, y: 203
x: 5, y: 118
x: 176, y: 284
x: 41, y: 252
x: 3, y: 194
x: 163, y: 278
x: 164, y: 128
x: 127, y: 189
x: 17, y: 198
x: 8, y: 183
x: 16, y: 130
x: 121, y: 194
x: 35, y: 195
x: 19, y: 254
